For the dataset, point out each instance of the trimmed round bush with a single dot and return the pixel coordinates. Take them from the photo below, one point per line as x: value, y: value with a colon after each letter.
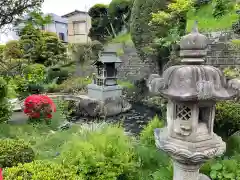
x: 41, y: 170
x: 13, y: 152
x: 227, y: 119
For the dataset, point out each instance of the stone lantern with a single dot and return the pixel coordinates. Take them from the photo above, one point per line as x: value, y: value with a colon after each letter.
x: 192, y: 90
x: 105, y: 85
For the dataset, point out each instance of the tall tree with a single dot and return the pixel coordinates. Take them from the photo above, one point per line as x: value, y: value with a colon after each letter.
x: 120, y: 12
x: 102, y: 26
x: 37, y: 19
x: 12, y: 9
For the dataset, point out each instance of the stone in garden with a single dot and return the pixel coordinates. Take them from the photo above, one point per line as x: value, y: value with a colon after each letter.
x: 16, y: 104
x: 192, y: 90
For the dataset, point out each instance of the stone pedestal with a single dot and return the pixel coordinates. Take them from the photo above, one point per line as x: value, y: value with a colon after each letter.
x: 103, y: 93
x: 187, y: 172
x: 187, y: 156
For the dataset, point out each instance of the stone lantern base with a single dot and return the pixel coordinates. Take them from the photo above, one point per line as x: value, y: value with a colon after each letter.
x: 187, y: 156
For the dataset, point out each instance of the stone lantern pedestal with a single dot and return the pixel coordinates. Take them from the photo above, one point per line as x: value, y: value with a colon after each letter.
x: 192, y: 90
x: 188, y: 157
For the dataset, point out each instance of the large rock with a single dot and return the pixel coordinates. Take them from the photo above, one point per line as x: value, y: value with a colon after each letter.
x: 86, y: 106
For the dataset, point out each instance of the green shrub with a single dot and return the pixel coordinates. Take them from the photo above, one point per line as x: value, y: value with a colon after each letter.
x: 231, y: 72
x: 147, y: 135
x: 227, y: 119
x: 12, y: 50
x: 51, y: 88
x: 3, y: 88
x: 225, y: 169
x: 60, y: 73
x: 13, y: 152
x: 104, y: 153
x: 220, y: 8
x: 233, y: 145
x: 154, y: 162
x: 5, y: 108
x: 34, y: 73
x: 73, y: 85
x: 41, y: 170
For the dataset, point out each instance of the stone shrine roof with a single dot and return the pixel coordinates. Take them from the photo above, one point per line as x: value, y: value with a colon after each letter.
x: 108, y: 57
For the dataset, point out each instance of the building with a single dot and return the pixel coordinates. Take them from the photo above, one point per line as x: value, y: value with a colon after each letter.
x: 59, y: 26
x: 79, y: 24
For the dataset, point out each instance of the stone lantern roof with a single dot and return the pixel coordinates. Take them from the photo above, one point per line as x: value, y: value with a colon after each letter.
x: 193, y: 81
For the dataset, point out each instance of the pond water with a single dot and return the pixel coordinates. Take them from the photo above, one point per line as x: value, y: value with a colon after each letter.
x: 133, y: 121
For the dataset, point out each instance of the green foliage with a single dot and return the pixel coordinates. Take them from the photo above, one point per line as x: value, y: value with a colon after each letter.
x: 5, y: 108
x: 220, y: 7
x: 147, y: 134
x: 12, y: 50
x: 235, y: 44
x: 142, y: 34
x: 41, y: 47
x: 36, y: 19
x: 231, y: 72
x: 31, y: 42
x: 156, y: 163
x: 31, y: 81
x: 43, y: 170
x: 54, y: 51
x: 227, y: 118
x: 233, y: 145
x: 3, y: 88
x: 225, y: 169
x: 73, y: 85
x: 101, y: 26
x: 105, y: 153
x: 13, y: 152
x: 34, y: 73
x: 58, y: 74
x: 2, y: 47
x: 207, y: 22
x: 123, y: 38
x: 120, y: 12
x: 86, y: 52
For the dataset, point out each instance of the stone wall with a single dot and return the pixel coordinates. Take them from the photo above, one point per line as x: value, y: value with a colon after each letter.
x: 132, y: 67
x: 219, y: 53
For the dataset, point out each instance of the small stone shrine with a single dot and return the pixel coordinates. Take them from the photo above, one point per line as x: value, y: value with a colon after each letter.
x: 192, y: 90
x: 105, y: 85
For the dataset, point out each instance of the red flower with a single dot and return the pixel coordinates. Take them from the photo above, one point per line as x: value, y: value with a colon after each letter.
x: 37, y: 105
x: 1, y: 175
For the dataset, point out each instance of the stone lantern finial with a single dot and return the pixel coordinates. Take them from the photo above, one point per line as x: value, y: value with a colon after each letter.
x: 193, y: 47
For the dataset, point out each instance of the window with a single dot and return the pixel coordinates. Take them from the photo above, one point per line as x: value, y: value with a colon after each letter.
x: 183, y: 112
x: 79, y: 27
x: 61, y: 36
x: 204, y: 115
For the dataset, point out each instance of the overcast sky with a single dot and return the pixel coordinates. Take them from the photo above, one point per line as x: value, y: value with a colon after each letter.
x: 61, y: 7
